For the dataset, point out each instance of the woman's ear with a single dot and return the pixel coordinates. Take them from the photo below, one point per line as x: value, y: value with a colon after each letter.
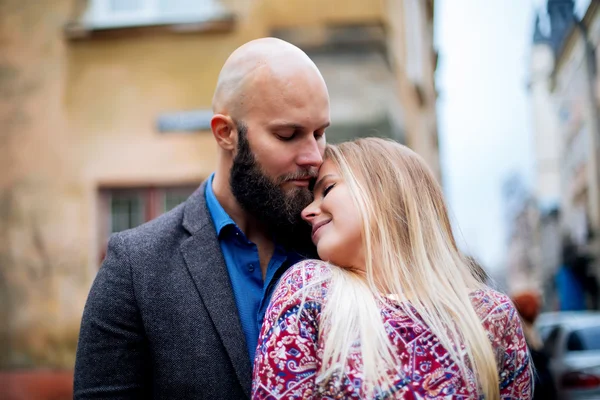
x: 223, y: 130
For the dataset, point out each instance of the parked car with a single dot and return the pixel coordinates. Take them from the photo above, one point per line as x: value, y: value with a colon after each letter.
x: 572, y: 341
x: 545, y: 322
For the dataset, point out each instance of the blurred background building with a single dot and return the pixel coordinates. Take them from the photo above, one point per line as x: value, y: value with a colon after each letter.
x: 104, y: 125
x: 562, y: 233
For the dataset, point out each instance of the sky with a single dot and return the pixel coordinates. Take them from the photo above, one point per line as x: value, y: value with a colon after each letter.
x: 484, y: 114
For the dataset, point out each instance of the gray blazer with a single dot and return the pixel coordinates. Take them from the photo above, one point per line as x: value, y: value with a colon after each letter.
x: 160, y: 321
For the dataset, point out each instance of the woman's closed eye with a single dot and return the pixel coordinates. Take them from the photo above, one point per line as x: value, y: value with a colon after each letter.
x: 328, y: 189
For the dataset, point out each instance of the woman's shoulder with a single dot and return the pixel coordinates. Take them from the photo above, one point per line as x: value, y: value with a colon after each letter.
x: 306, y: 272
x: 487, y: 300
x: 490, y: 296
x: 496, y: 310
x: 311, y: 277
x: 504, y: 329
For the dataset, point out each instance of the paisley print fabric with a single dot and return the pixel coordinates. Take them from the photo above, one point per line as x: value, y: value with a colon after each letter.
x: 290, y: 347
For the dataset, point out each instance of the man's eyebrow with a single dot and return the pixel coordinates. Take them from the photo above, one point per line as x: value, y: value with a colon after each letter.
x: 293, y: 126
x: 286, y: 125
x: 320, y: 182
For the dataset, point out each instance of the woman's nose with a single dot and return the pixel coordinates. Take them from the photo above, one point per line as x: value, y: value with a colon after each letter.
x: 310, y: 212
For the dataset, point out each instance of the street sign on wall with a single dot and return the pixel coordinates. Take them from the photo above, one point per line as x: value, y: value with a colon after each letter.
x: 184, y: 121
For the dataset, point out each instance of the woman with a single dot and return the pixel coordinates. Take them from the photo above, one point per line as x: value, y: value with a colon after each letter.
x: 394, y: 311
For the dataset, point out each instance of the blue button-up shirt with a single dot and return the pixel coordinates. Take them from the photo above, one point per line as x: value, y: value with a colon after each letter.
x: 252, y: 293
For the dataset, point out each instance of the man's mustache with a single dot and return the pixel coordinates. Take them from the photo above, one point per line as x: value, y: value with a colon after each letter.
x: 310, y: 173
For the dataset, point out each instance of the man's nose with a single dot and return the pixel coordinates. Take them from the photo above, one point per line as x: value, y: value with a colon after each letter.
x: 311, y: 154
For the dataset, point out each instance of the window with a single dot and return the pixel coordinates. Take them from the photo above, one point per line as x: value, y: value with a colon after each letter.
x: 174, y: 197
x: 123, y: 13
x: 550, y: 346
x: 126, y: 208
x: 180, y: 6
x: 125, y: 6
x: 584, y: 339
x: 544, y: 331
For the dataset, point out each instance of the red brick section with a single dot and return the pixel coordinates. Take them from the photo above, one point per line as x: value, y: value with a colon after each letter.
x: 36, y: 385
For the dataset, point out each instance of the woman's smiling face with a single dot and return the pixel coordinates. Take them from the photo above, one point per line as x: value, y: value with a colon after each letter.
x: 334, y: 217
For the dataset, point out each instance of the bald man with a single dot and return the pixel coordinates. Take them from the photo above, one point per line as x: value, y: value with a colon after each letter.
x: 176, y: 307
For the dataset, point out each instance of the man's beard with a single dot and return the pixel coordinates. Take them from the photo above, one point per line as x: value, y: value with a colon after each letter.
x: 264, y: 199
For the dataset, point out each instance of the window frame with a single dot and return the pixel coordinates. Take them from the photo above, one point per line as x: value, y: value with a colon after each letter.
x: 99, y: 15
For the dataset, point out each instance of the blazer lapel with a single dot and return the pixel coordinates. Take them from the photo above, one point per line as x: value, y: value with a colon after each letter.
x: 202, y: 254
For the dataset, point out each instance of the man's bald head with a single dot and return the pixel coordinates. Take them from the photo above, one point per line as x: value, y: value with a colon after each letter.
x: 259, y: 62
x: 271, y: 110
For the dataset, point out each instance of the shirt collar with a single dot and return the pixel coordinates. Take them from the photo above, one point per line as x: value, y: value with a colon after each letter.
x: 219, y: 216
x: 222, y: 220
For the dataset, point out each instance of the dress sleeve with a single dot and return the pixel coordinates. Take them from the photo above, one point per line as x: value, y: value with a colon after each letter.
x: 514, y: 363
x: 286, y: 361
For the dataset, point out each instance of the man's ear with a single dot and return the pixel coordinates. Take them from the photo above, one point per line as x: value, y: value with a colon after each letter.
x: 224, y: 131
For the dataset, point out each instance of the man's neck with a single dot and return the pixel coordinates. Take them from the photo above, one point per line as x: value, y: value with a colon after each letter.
x: 254, y: 230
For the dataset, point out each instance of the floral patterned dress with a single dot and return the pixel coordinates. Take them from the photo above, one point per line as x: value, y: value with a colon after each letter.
x: 290, y: 348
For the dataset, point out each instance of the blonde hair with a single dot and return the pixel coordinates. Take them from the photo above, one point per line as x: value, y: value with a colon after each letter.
x: 411, y: 256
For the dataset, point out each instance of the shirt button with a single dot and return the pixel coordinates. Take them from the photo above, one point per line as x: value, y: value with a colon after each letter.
x: 251, y: 268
